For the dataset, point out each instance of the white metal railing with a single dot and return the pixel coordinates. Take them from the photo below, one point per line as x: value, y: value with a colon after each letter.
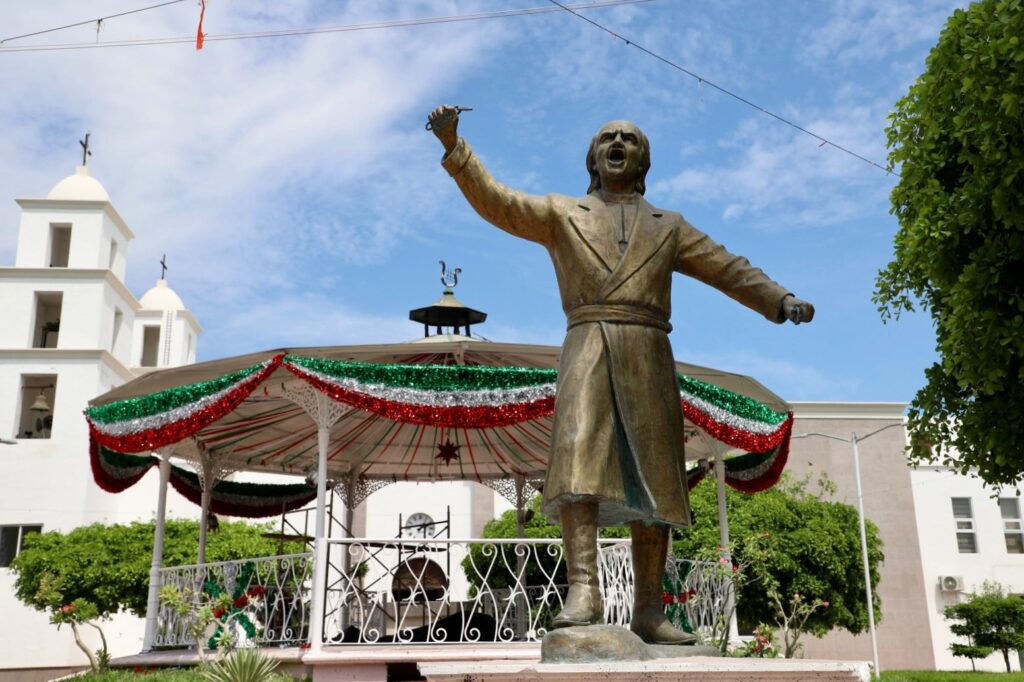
x: 422, y: 591
x: 269, y: 600
x: 494, y: 590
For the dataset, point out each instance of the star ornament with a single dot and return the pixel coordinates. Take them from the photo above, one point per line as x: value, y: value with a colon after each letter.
x: 448, y: 451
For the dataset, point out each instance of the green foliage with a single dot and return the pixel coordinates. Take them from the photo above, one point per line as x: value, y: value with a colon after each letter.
x: 812, y: 548
x: 990, y: 620
x: 108, y: 566
x: 958, y: 138
x: 242, y: 665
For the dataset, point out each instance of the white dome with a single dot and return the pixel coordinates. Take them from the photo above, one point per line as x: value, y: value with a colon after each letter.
x: 161, y: 297
x: 81, y: 186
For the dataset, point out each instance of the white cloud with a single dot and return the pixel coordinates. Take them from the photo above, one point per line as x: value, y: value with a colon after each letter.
x: 863, y: 30
x: 777, y: 177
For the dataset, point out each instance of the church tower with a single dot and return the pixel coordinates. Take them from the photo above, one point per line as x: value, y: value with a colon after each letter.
x: 70, y: 330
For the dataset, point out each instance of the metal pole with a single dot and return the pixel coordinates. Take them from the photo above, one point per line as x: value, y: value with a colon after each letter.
x: 316, y: 627
x: 864, y: 554
x: 153, y: 600
x: 204, y: 518
x: 723, y: 539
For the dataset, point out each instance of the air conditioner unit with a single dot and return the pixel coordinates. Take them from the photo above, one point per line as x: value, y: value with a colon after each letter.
x: 951, y: 583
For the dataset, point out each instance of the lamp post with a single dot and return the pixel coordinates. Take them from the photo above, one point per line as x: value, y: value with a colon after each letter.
x: 853, y: 440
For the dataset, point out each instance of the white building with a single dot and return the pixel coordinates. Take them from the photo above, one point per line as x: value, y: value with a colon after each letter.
x: 969, y: 534
x: 71, y: 330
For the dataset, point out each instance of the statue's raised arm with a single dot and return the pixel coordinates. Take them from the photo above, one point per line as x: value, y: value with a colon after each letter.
x: 523, y: 215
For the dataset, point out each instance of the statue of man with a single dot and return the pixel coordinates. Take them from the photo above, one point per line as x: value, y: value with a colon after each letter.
x: 617, y: 444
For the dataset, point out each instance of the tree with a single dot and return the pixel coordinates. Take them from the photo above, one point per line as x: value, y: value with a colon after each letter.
x: 958, y: 139
x: 992, y: 620
x: 811, y: 557
x: 108, y: 566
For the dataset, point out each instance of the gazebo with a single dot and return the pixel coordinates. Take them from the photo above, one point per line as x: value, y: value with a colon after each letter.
x: 357, y: 418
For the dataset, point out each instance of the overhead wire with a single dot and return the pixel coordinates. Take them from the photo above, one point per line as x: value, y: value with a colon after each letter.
x: 370, y: 26
x: 704, y: 81
x: 97, y: 20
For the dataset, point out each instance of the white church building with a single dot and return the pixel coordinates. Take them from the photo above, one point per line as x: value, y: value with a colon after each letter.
x: 72, y: 330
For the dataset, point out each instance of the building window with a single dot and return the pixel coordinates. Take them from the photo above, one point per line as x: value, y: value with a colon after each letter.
x: 12, y: 539
x: 60, y: 245
x: 38, y: 392
x: 47, y: 324
x: 118, y: 319
x: 113, y: 254
x: 1013, y: 528
x: 966, y: 539
x: 150, y: 345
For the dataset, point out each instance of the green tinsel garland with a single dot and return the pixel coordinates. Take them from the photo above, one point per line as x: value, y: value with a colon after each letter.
x: 739, y: 405
x: 162, y: 401
x: 429, y: 377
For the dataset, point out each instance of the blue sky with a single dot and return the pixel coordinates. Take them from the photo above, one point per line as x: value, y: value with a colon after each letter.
x: 300, y: 202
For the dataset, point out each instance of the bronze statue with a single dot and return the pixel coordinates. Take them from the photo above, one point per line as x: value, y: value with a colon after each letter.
x: 617, y: 446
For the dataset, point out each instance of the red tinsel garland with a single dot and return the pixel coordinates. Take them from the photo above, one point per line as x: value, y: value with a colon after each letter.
x: 484, y: 416
x: 152, y: 439
x: 104, y: 480
x: 752, y: 442
x: 770, y: 477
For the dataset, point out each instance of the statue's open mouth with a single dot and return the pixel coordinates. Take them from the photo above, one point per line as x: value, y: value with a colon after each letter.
x: 616, y: 154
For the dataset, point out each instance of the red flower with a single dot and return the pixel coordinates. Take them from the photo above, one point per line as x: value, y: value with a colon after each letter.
x: 218, y: 613
x: 257, y: 591
x: 305, y: 645
x: 67, y: 608
x: 241, y: 602
x: 686, y: 596
x: 667, y: 598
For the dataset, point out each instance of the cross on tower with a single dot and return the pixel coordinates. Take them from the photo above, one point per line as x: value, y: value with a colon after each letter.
x: 163, y: 267
x: 86, y: 152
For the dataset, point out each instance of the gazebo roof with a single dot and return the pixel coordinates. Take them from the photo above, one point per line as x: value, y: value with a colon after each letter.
x: 453, y: 410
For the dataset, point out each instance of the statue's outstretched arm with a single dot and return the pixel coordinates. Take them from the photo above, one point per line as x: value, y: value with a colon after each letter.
x: 524, y: 215
x: 703, y: 258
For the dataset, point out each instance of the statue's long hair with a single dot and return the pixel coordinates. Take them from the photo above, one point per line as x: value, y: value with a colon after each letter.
x: 645, y: 163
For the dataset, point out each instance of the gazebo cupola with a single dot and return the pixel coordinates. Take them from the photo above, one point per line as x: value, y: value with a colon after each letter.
x: 448, y: 312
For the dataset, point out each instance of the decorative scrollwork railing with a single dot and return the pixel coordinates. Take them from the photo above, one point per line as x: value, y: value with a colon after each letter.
x: 413, y: 591
x: 395, y: 592
x: 269, y: 598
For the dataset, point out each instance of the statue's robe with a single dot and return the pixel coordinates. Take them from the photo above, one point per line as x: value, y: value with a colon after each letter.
x: 618, y: 433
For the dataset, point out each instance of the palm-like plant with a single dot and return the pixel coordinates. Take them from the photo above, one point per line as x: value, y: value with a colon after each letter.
x: 242, y: 665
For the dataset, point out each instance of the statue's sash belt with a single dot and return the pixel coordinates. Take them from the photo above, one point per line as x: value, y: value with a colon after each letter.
x: 618, y: 314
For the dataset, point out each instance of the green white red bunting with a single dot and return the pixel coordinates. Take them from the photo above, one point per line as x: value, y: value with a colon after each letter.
x: 443, y: 396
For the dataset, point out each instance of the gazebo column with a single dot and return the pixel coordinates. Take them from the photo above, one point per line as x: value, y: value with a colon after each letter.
x: 153, y: 600
x: 521, y: 597
x: 210, y: 473
x: 204, y: 522
x: 324, y: 412
x: 723, y: 539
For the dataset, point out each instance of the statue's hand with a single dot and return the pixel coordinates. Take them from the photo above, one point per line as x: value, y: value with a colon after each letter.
x: 444, y: 123
x: 796, y: 310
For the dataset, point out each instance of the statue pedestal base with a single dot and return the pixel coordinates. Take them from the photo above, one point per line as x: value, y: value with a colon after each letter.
x: 613, y: 654
x: 694, y: 669
x: 598, y: 643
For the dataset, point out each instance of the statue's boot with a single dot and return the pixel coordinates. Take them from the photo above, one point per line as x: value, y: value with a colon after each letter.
x: 579, y: 538
x: 650, y: 548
